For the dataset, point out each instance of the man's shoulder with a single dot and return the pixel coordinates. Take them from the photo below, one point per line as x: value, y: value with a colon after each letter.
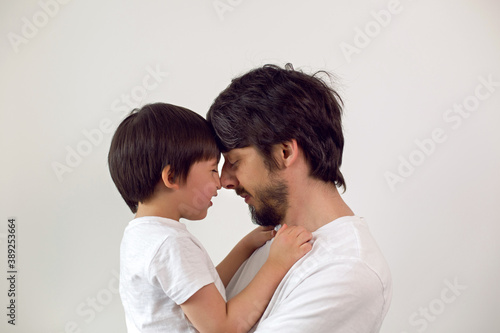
x: 343, y: 251
x: 347, y: 239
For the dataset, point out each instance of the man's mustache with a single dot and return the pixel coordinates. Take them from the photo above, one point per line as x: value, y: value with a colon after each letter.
x: 241, y: 191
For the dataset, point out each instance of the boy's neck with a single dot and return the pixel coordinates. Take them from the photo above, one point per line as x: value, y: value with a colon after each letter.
x: 156, y: 206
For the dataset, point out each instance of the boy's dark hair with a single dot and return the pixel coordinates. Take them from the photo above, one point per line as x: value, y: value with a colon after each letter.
x: 151, y: 138
x: 271, y: 105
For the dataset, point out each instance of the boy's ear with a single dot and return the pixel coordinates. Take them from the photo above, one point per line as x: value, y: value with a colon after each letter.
x: 167, y: 176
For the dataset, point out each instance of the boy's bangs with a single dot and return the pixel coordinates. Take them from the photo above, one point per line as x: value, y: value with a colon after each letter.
x: 204, y: 147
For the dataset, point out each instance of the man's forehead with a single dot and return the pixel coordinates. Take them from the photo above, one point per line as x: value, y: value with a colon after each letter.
x: 231, y: 153
x: 237, y: 152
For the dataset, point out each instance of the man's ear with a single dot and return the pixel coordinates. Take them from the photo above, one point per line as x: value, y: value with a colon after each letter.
x: 167, y: 176
x: 289, y: 151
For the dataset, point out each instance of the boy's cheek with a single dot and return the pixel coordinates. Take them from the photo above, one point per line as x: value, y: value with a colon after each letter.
x: 191, y: 212
x: 201, y: 201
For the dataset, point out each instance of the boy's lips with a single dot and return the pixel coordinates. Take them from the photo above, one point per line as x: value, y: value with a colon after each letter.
x: 211, y: 203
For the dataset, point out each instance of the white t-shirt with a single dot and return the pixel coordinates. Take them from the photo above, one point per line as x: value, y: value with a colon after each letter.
x: 343, y: 285
x: 161, y: 266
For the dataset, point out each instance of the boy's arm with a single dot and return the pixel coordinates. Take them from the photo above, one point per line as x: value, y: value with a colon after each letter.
x: 245, y: 247
x: 207, y: 310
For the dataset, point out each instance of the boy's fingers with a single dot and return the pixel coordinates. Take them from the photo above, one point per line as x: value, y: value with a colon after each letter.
x: 282, y: 229
x: 270, y: 234
x: 304, y: 236
x: 267, y: 228
x: 306, y: 247
x: 300, y: 232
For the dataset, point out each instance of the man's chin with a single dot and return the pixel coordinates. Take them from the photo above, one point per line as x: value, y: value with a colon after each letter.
x: 262, y: 219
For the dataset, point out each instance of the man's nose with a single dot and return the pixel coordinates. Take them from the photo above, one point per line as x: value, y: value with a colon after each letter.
x: 227, y: 178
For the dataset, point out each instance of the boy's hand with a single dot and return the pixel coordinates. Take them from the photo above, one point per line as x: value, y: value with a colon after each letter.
x: 290, y: 244
x: 258, y: 237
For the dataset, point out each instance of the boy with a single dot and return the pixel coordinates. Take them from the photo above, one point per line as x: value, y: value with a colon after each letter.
x: 163, y: 160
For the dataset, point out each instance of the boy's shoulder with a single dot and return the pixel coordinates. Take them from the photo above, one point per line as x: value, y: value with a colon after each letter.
x: 156, y: 221
x: 151, y: 238
x: 154, y: 229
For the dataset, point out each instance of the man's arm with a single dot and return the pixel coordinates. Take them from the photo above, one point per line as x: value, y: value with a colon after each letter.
x: 245, y: 247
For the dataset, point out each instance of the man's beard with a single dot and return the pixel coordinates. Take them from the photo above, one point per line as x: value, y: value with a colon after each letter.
x: 273, y: 200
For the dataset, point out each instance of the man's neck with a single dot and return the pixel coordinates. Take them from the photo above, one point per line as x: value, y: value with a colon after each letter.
x: 314, y: 203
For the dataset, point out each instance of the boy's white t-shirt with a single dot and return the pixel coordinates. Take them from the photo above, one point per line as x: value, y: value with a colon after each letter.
x: 161, y: 266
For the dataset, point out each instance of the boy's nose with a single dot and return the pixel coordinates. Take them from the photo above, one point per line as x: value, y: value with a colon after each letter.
x: 218, y: 184
x: 227, y: 177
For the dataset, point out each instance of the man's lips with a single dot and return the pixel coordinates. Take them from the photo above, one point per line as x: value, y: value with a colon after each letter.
x: 244, y: 195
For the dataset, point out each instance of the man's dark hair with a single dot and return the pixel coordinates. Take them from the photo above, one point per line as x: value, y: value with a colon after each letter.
x: 271, y: 105
x: 151, y: 138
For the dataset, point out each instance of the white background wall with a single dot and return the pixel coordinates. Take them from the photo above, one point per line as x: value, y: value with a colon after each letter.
x: 404, y: 67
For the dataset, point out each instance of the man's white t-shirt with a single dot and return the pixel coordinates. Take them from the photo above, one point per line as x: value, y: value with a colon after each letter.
x: 343, y: 285
x: 161, y: 266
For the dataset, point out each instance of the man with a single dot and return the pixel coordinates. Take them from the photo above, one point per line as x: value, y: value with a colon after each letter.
x: 281, y: 135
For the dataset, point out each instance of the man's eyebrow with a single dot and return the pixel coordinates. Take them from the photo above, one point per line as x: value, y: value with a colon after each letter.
x: 230, y: 157
x: 230, y: 154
